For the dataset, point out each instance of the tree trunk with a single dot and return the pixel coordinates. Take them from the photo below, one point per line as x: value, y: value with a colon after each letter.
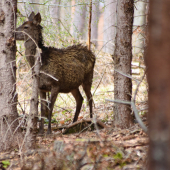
x: 55, y: 12
x: 139, y: 27
x: 122, y: 63
x: 89, y: 26
x: 9, y: 133
x: 94, y: 24
x: 158, y: 64
x: 31, y: 131
x: 26, y: 7
x: 79, y: 27
x: 65, y: 18
x: 109, y: 25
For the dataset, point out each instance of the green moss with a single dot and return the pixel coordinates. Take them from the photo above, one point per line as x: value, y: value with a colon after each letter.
x: 5, y: 163
x: 118, y: 156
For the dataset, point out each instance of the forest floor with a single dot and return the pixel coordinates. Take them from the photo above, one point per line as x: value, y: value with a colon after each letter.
x: 87, y: 149
x: 101, y: 149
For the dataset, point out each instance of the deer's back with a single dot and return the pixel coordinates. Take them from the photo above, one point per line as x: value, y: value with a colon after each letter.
x: 71, y: 66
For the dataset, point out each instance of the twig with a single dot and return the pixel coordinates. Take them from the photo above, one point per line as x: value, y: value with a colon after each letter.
x: 84, y: 129
x: 99, y: 82
x: 135, y: 111
x: 63, y: 109
x: 97, y: 129
x: 135, y: 94
x: 81, y: 121
x: 90, y: 16
x: 49, y: 75
x: 97, y: 162
x: 23, y: 111
x: 126, y: 75
x: 45, y: 4
x: 80, y: 160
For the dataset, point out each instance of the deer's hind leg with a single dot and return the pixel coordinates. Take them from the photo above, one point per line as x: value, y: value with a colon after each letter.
x: 54, y: 94
x: 87, y: 90
x: 79, y: 100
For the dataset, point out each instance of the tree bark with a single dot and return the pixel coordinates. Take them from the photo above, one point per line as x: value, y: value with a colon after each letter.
x: 65, y: 18
x: 122, y: 63
x: 89, y: 27
x: 158, y: 69
x: 109, y: 25
x: 139, y: 27
x: 9, y: 130
x: 26, y: 7
x: 30, y: 139
x: 95, y: 20
x: 55, y: 12
x: 79, y: 26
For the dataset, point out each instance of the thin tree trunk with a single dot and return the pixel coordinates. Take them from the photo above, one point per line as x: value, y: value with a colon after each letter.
x: 55, y: 13
x: 122, y: 63
x: 95, y: 20
x: 109, y: 25
x: 65, y: 19
x: 89, y: 29
x: 26, y: 7
x: 139, y: 27
x: 79, y: 27
x: 9, y: 130
x: 158, y: 69
x: 32, y: 119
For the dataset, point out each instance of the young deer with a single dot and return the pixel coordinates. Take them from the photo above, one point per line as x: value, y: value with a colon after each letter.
x: 72, y: 66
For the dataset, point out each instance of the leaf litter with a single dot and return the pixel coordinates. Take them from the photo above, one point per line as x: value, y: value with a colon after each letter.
x: 101, y: 149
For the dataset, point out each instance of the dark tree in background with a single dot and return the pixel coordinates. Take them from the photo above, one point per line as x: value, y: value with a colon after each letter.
x: 26, y: 8
x: 55, y: 12
x: 79, y: 26
x: 8, y: 97
x: 95, y: 20
x: 109, y: 24
x: 158, y: 69
x: 122, y: 63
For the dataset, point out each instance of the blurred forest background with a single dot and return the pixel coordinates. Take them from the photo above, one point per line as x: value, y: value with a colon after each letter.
x: 65, y: 22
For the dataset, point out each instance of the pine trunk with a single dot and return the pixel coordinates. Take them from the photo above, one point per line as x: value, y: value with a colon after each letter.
x: 122, y: 63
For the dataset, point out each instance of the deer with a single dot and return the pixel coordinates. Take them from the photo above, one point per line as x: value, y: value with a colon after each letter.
x: 72, y: 66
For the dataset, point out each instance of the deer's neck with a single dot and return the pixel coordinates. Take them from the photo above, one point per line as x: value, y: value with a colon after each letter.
x: 30, y: 51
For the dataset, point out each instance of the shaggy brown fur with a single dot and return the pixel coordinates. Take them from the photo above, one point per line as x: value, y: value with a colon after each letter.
x: 72, y: 66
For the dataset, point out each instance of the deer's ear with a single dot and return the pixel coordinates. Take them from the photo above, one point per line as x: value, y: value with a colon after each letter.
x: 37, y: 19
x: 31, y: 17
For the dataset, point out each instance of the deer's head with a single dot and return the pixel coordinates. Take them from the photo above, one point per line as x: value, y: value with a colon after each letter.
x: 30, y: 28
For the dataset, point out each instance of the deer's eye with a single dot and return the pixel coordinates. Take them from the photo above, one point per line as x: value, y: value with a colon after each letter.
x: 25, y: 27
